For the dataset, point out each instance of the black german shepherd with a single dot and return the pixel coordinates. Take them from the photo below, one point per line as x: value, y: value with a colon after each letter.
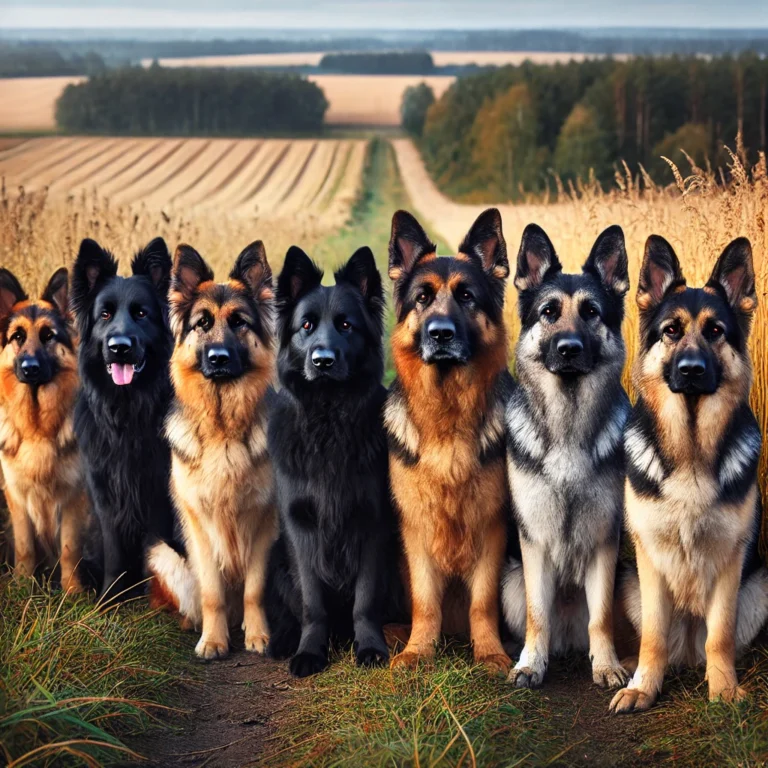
x: 328, y: 573
x: 125, y: 346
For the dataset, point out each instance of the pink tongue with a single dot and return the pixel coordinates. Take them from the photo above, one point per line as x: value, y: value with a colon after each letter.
x: 122, y: 374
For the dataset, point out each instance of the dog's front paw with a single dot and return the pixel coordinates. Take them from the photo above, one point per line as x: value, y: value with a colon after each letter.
x: 406, y: 660
x: 629, y: 700
x: 609, y: 676
x: 208, y: 648
x: 371, y: 656
x: 257, y: 642
x: 526, y: 677
x: 728, y: 695
x: 497, y: 664
x: 72, y: 585
x: 304, y: 664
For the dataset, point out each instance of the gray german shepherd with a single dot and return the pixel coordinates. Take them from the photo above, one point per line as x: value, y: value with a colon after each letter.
x: 565, y: 458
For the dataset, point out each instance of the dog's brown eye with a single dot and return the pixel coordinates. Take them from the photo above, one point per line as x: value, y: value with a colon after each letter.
x: 307, y: 325
x: 18, y: 337
x: 345, y: 325
x: 105, y: 314
x: 205, y: 323
x: 465, y: 296
x: 716, y: 331
x: 141, y: 313
x: 46, y: 334
x: 422, y: 298
x: 671, y: 329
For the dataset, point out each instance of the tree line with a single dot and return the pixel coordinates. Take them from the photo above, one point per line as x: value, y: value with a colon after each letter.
x: 385, y: 63
x: 501, y: 133
x: 191, y: 102
x: 41, y: 60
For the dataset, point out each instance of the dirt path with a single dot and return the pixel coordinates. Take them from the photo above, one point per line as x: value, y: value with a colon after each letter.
x: 229, y: 716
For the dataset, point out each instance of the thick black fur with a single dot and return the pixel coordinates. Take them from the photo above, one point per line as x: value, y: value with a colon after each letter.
x: 119, y: 428
x: 334, y: 570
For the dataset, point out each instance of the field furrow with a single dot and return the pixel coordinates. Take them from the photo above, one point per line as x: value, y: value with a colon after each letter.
x: 153, y: 167
x: 96, y: 168
x: 339, y: 199
x: 14, y: 167
x: 256, y: 175
x: 41, y: 175
x: 229, y: 173
x: 68, y: 172
x: 316, y: 170
x: 216, y: 153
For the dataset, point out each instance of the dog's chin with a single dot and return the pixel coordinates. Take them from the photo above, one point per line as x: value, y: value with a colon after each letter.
x: 221, y: 374
x: 691, y: 390
x: 444, y: 358
x: 314, y: 375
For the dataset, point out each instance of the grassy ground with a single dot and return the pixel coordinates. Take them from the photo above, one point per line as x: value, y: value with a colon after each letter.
x: 76, y: 679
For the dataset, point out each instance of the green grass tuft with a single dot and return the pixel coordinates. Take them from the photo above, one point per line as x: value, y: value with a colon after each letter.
x: 74, y: 676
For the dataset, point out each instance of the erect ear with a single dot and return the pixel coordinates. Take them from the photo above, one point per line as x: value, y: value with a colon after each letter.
x: 57, y: 291
x: 253, y: 270
x: 11, y: 292
x: 361, y: 273
x: 154, y: 261
x: 298, y: 276
x: 536, y: 259
x: 485, y: 241
x: 407, y: 244
x: 93, y: 267
x: 189, y: 270
x: 734, y: 273
x: 608, y: 260
x: 659, y: 273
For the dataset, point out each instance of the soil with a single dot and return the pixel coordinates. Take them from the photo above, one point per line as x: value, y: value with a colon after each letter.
x: 228, y: 716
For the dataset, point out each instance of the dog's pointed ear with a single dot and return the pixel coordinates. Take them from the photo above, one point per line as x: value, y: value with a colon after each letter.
x: 11, y: 292
x: 253, y: 270
x: 154, y: 261
x: 93, y: 267
x: 659, y: 273
x: 485, y: 242
x: 362, y: 274
x: 734, y: 274
x: 57, y: 291
x: 407, y: 244
x: 188, y: 272
x: 608, y: 260
x: 298, y: 276
x: 536, y: 259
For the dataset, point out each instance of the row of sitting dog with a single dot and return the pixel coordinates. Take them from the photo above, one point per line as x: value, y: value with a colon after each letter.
x: 139, y: 424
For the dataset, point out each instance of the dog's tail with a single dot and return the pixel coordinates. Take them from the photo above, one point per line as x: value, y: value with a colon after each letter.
x: 173, y: 585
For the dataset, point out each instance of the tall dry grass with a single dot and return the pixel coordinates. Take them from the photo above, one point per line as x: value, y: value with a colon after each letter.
x: 39, y: 234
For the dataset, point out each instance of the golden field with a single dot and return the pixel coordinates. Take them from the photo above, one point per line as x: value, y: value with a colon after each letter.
x: 218, y: 194
x: 310, y: 59
x: 28, y: 104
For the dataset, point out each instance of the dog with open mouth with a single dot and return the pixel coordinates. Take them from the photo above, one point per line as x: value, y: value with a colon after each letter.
x: 125, y: 395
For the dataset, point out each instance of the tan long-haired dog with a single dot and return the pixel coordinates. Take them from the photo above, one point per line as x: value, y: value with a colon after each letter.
x: 692, y: 446
x: 445, y: 422
x: 221, y: 480
x: 38, y: 451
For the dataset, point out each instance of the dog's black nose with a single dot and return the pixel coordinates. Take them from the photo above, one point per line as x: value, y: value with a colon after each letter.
x: 692, y: 365
x: 218, y: 357
x: 570, y: 346
x: 119, y: 345
x: 441, y: 329
x: 30, y: 369
x: 323, y: 358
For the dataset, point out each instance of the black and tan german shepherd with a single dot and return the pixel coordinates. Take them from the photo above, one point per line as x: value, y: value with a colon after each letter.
x: 38, y: 451
x: 125, y: 391
x: 692, y: 502
x: 445, y: 421
x: 222, y: 368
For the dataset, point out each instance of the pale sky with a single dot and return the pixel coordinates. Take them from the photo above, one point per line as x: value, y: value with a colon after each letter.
x: 381, y: 14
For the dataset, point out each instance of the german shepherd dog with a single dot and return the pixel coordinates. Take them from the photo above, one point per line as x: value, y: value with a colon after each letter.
x: 565, y: 423
x: 125, y: 346
x: 445, y: 421
x: 692, y: 503
x: 332, y: 570
x: 222, y: 368
x: 38, y: 451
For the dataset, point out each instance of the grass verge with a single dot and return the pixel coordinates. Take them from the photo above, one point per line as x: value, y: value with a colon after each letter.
x: 75, y: 678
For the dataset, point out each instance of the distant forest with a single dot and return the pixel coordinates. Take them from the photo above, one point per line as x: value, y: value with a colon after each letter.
x: 191, y: 102
x: 44, y: 60
x: 117, y: 50
x: 499, y: 134
x: 384, y: 63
